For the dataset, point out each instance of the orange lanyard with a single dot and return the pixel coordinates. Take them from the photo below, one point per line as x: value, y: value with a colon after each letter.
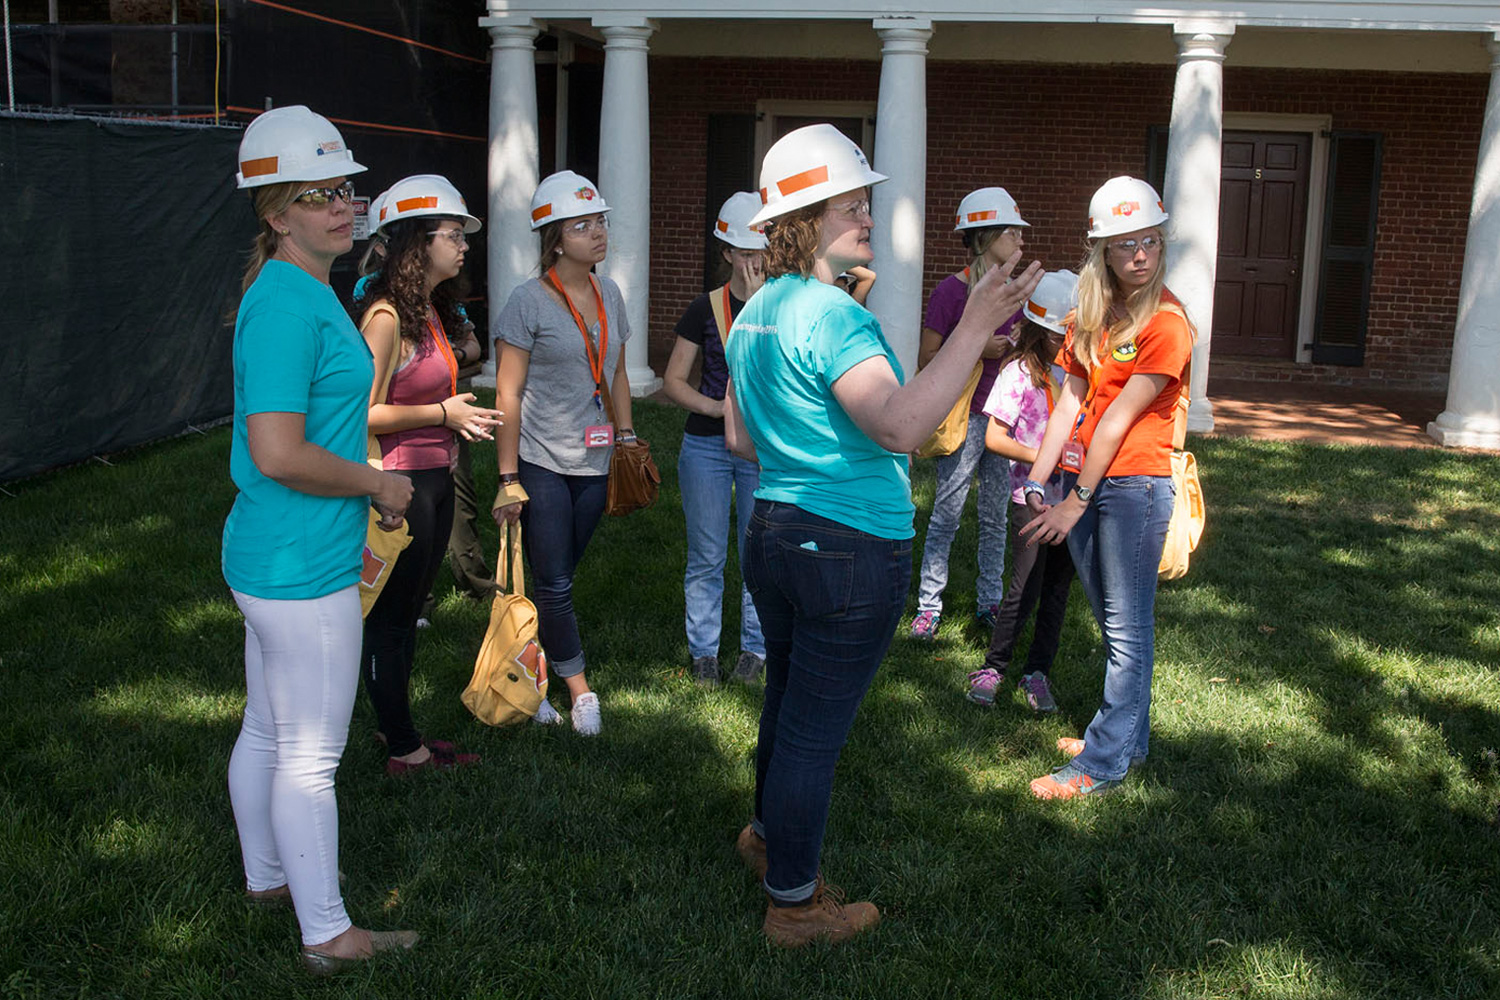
x: 596, y: 361
x: 728, y: 312
x: 440, y: 338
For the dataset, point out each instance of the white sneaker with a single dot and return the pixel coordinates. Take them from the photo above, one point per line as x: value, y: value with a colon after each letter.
x: 586, y: 714
x: 546, y: 715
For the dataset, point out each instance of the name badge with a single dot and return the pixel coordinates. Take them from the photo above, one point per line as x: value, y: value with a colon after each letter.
x: 1072, y: 455
x: 599, y: 436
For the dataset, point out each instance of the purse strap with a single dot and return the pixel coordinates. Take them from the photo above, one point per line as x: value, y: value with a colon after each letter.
x: 510, y: 577
x: 372, y: 445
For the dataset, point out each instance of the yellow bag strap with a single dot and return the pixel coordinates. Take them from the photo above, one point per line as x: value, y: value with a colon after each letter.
x: 509, y: 571
x: 373, y: 446
x: 718, y: 301
x: 1180, y: 411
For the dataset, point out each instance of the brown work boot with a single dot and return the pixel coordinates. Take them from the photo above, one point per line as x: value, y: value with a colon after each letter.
x: 752, y: 847
x: 825, y: 915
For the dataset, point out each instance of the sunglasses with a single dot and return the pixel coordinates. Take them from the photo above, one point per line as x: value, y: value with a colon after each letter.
x: 1129, y: 248
x: 318, y: 197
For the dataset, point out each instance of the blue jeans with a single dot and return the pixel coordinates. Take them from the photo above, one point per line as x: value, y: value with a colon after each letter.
x: 1116, y: 547
x: 829, y: 598
x: 707, y: 475
x: 953, y: 474
x: 556, y: 525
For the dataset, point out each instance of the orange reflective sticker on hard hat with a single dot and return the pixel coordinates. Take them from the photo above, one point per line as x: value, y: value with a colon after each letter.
x: 259, y: 168
x: 540, y: 212
x: 1125, y: 352
x: 764, y: 198
x: 1126, y: 208
x: 722, y: 226
x: 383, y: 209
x: 983, y: 216
x: 1035, y: 309
x: 412, y: 204
x: 806, y: 179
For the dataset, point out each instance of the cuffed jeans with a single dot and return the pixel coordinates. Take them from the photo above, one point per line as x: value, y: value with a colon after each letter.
x: 953, y: 474
x: 301, y: 675
x: 707, y: 475
x: 1116, y: 547
x: 1040, y: 577
x: 829, y: 598
x: 557, y: 523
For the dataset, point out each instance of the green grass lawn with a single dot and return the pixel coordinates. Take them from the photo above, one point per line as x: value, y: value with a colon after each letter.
x: 1316, y: 818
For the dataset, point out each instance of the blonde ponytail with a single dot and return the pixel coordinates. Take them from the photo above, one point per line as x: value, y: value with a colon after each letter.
x: 269, y: 200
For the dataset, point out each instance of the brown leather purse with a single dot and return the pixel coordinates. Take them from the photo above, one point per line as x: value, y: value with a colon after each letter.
x: 634, y: 480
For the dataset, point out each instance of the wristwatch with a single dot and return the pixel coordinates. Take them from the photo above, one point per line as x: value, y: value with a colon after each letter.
x: 1083, y: 493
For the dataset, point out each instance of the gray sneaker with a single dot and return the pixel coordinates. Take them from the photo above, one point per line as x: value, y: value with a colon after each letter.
x: 748, y: 670
x: 706, y: 670
x: 1038, y: 692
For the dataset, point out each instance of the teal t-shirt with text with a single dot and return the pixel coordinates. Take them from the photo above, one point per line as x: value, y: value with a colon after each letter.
x: 296, y: 351
x: 791, y: 342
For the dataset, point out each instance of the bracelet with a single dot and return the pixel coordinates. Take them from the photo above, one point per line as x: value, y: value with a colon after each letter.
x: 1032, y: 486
x: 510, y: 477
x: 444, y: 421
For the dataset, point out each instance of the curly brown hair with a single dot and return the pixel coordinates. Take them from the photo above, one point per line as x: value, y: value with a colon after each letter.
x: 402, y: 280
x: 793, y: 240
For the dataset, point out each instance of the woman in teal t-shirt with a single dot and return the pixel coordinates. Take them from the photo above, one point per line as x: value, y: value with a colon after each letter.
x: 293, y: 543
x: 817, y: 396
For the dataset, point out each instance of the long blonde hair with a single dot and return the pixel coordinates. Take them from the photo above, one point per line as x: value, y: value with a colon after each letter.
x: 269, y: 200
x: 1098, y: 326
x: 979, y: 244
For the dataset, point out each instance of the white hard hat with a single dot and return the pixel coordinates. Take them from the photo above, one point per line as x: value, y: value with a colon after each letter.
x: 986, y: 208
x: 1124, y: 205
x: 374, y: 210
x: 292, y: 144
x: 565, y: 195
x: 1055, y: 296
x: 808, y: 165
x: 423, y: 196
x: 733, y: 224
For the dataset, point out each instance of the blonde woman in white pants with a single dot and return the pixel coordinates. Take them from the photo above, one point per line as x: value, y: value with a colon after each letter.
x: 293, y: 543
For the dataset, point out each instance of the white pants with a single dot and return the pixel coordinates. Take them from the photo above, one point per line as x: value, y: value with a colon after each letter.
x: 301, y: 676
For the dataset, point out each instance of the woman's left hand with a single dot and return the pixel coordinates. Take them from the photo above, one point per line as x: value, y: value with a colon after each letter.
x: 1055, y: 522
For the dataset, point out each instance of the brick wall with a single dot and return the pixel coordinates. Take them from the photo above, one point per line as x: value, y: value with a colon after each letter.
x: 1051, y: 133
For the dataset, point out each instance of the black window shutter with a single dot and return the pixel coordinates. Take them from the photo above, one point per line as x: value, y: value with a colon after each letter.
x: 1156, y: 157
x: 1348, y: 248
x: 731, y: 168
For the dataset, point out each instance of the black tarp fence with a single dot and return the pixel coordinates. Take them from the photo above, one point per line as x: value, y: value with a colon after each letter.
x: 121, y: 250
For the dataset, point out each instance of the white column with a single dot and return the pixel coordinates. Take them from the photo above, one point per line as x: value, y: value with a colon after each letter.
x: 1472, y: 417
x: 513, y: 165
x: 899, y: 205
x: 1192, y: 189
x: 625, y: 181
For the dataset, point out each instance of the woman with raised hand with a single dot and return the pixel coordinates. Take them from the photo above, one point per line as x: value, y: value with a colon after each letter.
x: 992, y: 230
x: 417, y: 415
x: 712, y: 479
x: 293, y: 544
x: 564, y: 334
x: 820, y: 398
x: 1126, y: 354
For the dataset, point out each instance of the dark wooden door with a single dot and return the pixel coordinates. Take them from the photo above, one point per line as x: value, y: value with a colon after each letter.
x: 1262, y: 225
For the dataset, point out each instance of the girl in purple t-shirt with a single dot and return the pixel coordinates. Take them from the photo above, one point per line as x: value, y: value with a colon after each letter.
x: 991, y: 228
x: 1041, y: 575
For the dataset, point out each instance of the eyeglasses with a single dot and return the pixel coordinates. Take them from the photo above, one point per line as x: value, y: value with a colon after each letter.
x: 318, y: 197
x: 587, y: 227
x: 454, y: 236
x: 853, y: 210
x: 1129, y: 248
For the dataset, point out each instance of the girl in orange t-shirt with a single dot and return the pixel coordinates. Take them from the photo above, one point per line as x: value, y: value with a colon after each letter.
x: 1126, y: 354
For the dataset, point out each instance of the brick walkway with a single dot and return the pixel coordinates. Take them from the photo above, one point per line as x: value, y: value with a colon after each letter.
x: 1278, y: 411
